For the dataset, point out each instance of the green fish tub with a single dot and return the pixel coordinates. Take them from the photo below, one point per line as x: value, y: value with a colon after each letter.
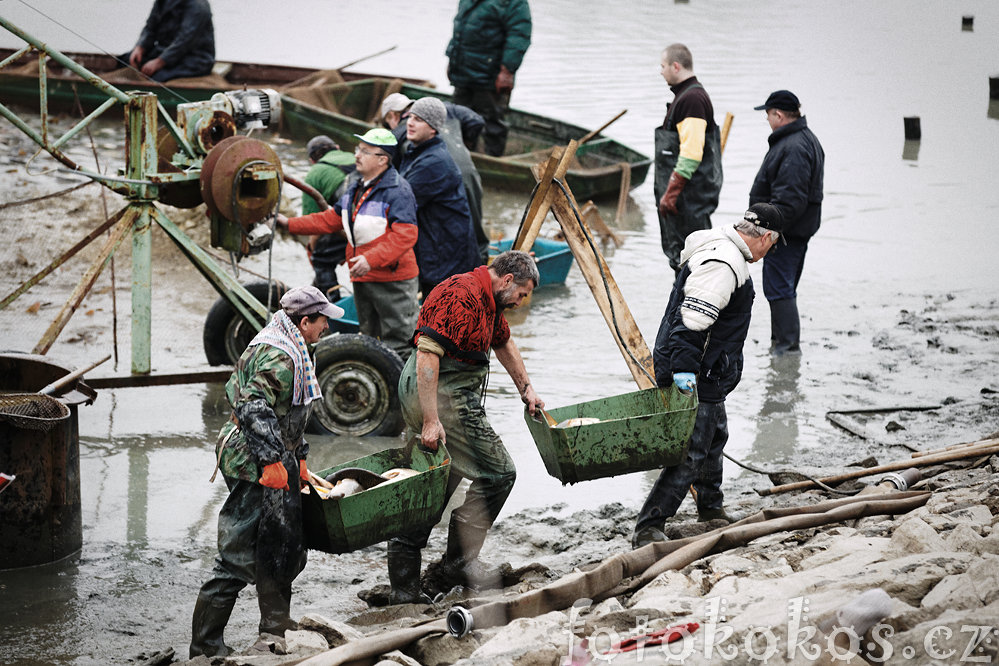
x: 383, y: 511
x: 634, y: 432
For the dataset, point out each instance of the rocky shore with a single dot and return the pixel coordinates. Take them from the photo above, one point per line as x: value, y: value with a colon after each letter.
x: 919, y: 586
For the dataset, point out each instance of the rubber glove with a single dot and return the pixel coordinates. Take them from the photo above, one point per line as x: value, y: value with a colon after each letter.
x: 685, y: 381
x: 275, y: 476
x: 303, y: 471
x: 668, y: 203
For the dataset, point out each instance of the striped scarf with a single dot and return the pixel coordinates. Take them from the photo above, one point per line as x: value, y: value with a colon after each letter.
x: 280, y: 332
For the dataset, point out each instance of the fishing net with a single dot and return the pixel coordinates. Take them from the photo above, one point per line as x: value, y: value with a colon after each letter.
x: 32, y: 411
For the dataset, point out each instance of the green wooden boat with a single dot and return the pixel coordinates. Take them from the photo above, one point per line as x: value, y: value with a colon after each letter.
x: 19, y: 81
x: 381, y: 512
x: 634, y: 432
x: 344, y: 109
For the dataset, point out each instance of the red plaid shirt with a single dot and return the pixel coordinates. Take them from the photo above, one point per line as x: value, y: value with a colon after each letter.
x: 462, y: 310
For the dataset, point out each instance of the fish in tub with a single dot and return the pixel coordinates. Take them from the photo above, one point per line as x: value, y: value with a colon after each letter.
x: 352, y: 480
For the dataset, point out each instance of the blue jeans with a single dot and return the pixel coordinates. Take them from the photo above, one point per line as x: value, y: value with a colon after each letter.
x: 702, y: 468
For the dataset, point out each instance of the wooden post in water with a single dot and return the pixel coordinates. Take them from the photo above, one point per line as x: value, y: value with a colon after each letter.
x: 912, y: 129
x: 595, y: 270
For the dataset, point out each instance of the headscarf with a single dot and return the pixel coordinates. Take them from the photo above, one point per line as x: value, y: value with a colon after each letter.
x: 280, y: 332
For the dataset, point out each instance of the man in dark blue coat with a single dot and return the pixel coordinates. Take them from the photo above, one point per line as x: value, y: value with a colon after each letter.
x: 790, y: 178
x: 446, y: 243
x: 699, y: 345
x: 177, y: 41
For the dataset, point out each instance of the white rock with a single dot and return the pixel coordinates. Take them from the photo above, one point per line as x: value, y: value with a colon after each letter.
x: 397, y: 657
x: 976, y: 516
x: 335, y: 633
x: 957, y: 591
x: 984, y: 575
x: 963, y: 537
x: 303, y: 640
x: 913, y: 535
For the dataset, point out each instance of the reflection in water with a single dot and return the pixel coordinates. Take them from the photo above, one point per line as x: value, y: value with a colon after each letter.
x: 993, y: 111
x: 777, y: 424
x: 910, y: 150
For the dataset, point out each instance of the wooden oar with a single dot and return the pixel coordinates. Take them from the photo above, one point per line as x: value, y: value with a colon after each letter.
x: 76, y: 374
x: 587, y: 137
x: 367, y: 57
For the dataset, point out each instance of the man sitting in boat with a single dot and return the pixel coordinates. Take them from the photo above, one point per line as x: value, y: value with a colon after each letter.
x: 378, y: 215
x: 461, y: 130
x: 178, y: 41
x: 446, y: 244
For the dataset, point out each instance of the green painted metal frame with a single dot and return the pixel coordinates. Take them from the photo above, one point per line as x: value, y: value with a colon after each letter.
x: 140, y: 186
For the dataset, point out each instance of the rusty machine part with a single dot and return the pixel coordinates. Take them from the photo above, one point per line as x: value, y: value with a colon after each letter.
x: 241, y: 186
x: 181, y: 195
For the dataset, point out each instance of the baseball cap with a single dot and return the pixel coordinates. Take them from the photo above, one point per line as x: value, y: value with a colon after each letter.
x: 319, y: 146
x: 767, y: 216
x: 785, y: 100
x: 395, y: 102
x: 379, y: 137
x: 308, y: 300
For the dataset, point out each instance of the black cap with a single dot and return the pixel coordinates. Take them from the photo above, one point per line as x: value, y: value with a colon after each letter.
x: 785, y: 100
x: 765, y: 215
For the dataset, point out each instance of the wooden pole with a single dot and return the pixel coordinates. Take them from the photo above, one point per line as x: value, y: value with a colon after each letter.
x: 726, y: 126
x: 959, y: 454
x: 554, y: 168
x: 590, y: 135
x: 955, y: 447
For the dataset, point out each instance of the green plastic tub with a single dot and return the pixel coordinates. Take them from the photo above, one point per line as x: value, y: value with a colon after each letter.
x: 382, y: 512
x: 637, y: 431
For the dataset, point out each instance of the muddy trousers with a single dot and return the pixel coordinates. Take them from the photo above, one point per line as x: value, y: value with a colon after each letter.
x: 260, y: 544
x: 674, y: 229
x: 782, y: 269
x: 387, y: 311
x: 702, y: 468
x: 492, y: 106
x: 477, y: 454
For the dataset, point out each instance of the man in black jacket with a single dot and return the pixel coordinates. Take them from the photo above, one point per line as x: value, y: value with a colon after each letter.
x: 177, y: 41
x: 700, y: 345
x: 790, y: 178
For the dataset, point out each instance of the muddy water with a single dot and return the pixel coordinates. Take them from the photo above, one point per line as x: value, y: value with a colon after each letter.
x: 908, y: 228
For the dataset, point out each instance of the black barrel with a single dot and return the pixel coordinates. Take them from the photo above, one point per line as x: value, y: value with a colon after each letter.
x: 40, y: 512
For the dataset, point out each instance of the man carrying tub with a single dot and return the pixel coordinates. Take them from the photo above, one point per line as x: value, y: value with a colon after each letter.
x: 700, y: 344
x: 440, y: 388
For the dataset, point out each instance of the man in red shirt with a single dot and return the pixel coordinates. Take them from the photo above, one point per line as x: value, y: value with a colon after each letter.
x: 440, y: 389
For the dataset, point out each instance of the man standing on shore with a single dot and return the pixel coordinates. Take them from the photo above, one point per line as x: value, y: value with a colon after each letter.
x: 688, y: 175
x: 790, y: 178
x: 699, y: 345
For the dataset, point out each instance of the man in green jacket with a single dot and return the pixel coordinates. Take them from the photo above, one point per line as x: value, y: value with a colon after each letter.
x: 331, y: 168
x: 487, y: 46
x: 261, y: 453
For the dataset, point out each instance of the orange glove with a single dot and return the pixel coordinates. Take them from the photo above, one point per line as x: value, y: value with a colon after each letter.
x: 303, y: 471
x: 275, y: 476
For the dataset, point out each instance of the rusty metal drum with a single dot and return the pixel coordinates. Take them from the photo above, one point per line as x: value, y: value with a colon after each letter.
x: 40, y: 510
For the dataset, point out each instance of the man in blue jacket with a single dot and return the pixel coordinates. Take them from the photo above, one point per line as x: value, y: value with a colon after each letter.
x: 446, y: 243
x: 790, y: 178
x: 699, y: 345
x: 177, y: 41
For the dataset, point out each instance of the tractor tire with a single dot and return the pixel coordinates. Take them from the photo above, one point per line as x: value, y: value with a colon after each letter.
x: 359, y: 378
x: 226, y: 333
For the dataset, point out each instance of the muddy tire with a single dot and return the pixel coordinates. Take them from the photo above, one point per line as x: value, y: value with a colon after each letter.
x: 226, y: 333
x: 359, y: 377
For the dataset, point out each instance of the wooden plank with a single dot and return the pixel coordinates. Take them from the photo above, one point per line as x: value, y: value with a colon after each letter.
x: 554, y: 168
x: 605, y: 290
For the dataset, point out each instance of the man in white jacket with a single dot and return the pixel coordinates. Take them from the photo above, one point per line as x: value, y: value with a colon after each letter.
x: 699, y: 345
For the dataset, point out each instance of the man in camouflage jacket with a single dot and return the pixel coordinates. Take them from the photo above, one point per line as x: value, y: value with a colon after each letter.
x: 261, y: 453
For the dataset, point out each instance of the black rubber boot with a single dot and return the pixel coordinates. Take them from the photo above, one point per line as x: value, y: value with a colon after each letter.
x: 785, y: 327
x: 462, y: 565
x: 404, y: 563
x: 207, y: 626
x: 274, y: 600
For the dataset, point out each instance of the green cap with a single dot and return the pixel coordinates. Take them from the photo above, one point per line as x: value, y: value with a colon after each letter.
x: 381, y: 138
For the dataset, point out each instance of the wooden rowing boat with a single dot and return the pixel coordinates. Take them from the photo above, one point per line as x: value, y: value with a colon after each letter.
x: 342, y: 110
x: 19, y: 81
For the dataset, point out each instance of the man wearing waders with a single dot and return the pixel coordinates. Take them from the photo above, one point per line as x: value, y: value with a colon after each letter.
x: 688, y: 156
x: 440, y: 390
x: 261, y: 453
x: 699, y: 345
